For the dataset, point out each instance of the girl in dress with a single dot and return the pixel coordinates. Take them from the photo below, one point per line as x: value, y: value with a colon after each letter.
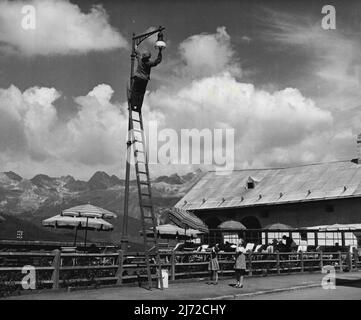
x: 214, y: 265
x: 240, y: 265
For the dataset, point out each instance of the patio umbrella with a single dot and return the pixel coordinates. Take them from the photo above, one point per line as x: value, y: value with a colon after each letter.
x: 172, y: 230
x: 232, y: 224
x: 88, y: 210
x: 78, y: 223
x: 185, y: 219
x: 278, y: 226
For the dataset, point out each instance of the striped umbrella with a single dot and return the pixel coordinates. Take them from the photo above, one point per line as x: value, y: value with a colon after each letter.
x: 172, y: 230
x: 185, y: 219
x: 82, y: 223
x: 88, y: 210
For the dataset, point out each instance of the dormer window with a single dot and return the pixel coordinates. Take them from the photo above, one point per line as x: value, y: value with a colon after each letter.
x: 250, y: 183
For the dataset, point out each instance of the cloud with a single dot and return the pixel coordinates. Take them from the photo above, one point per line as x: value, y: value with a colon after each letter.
x: 27, y: 120
x: 263, y: 121
x: 207, y: 54
x: 271, y: 127
x: 334, y: 69
x: 333, y: 54
x: 96, y: 135
x: 246, y: 39
x: 61, y: 28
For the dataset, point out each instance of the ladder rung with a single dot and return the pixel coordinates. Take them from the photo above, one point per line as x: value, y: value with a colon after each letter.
x: 147, y: 205
x: 140, y: 141
x: 137, y: 130
x: 142, y: 172
x: 144, y: 182
x: 139, y: 151
x: 136, y: 120
x: 145, y: 194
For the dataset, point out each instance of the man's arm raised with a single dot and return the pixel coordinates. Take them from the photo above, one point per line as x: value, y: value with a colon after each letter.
x: 158, y: 60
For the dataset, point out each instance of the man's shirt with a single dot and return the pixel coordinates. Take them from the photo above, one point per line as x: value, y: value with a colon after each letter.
x: 144, y: 66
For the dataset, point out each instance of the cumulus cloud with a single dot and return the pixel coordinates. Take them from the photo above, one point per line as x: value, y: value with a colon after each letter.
x: 263, y: 121
x: 32, y: 136
x: 27, y: 120
x: 271, y: 127
x: 207, y: 54
x: 60, y: 28
x: 95, y: 133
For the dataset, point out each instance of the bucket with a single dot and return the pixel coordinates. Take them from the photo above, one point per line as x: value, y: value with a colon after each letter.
x: 165, y: 276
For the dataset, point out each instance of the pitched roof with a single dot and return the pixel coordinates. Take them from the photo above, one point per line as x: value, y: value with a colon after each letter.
x: 323, y: 181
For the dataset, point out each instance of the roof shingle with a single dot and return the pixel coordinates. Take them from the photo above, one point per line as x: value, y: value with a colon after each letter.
x: 313, y: 182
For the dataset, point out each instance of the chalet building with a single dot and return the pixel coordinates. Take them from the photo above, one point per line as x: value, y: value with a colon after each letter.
x: 301, y: 196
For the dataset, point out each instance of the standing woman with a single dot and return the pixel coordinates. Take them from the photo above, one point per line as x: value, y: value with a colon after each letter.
x: 240, y: 265
x: 214, y: 265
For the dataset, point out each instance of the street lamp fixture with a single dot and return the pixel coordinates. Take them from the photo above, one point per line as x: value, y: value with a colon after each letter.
x: 160, y: 44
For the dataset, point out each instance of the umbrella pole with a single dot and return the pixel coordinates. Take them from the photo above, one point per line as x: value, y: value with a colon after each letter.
x: 76, y: 234
x: 86, y: 231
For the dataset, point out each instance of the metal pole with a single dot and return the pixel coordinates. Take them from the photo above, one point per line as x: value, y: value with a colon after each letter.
x: 86, y: 231
x: 135, y: 40
x: 124, y: 241
x: 76, y: 233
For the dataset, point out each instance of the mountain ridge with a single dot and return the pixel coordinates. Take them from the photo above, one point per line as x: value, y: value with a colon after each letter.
x: 33, y: 200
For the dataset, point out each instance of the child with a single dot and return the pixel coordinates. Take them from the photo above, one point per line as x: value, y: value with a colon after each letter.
x: 240, y: 265
x: 213, y: 264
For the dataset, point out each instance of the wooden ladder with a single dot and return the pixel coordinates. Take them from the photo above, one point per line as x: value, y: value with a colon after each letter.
x: 136, y: 139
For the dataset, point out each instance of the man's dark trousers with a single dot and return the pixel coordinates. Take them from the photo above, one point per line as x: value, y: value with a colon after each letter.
x: 138, y: 91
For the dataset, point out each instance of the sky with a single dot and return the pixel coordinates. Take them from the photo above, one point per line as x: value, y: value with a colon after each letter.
x: 267, y: 69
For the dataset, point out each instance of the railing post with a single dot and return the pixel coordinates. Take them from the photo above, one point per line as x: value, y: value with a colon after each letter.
x: 278, y: 262
x: 250, y: 264
x: 56, y: 271
x: 349, y: 261
x: 321, y: 260
x: 172, y: 266
x: 340, y: 260
x: 120, y: 270
x: 356, y: 258
x: 302, y: 262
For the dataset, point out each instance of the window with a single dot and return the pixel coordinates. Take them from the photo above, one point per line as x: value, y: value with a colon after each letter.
x: 230, y: 237
x: 329, y: 238
x: 250, y: 183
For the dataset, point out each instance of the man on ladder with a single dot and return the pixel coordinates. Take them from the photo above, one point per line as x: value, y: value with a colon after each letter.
x: 142, y: 76
x: 136, y: 141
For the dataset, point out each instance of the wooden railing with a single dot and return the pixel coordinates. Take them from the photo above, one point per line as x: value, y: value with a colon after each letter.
x: 58, y: 269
